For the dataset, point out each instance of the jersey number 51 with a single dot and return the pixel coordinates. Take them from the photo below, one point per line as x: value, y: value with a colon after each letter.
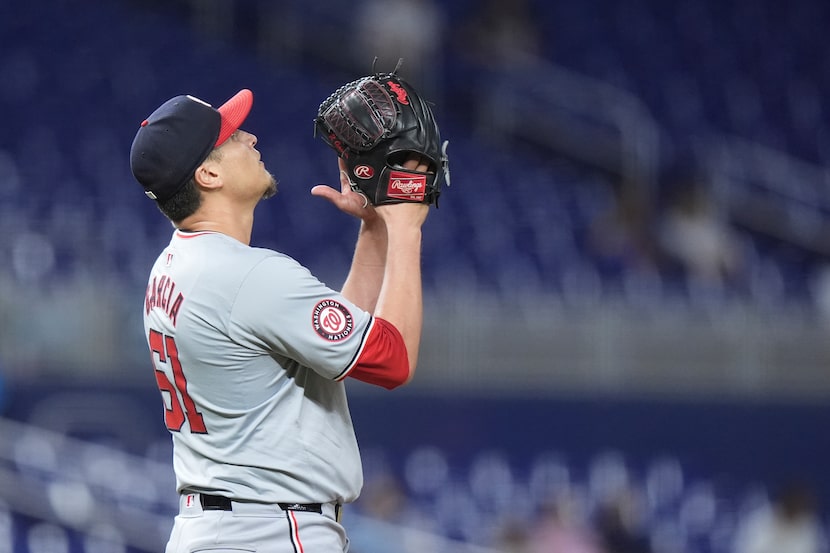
x: 164, y: 349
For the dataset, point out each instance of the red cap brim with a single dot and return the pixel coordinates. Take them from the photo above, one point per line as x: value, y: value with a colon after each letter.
x: 233, y: 113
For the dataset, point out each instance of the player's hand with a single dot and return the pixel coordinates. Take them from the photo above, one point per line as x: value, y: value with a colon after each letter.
x: 346, y: 199
x: 355, y: 203
x: 416, y: 163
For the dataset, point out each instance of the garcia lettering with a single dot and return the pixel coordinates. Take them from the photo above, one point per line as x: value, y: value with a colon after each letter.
x: 162, y: 294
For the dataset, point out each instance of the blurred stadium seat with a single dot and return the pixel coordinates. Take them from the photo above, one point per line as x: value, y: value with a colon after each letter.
x: 101, y: 63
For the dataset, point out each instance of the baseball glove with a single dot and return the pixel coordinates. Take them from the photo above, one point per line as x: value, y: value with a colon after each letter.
x: 374, y: 124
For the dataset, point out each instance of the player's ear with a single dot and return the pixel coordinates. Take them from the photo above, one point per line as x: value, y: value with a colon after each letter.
x: 207, y: 174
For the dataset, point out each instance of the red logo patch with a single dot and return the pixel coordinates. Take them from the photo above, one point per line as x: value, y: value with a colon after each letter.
x: 399, y: 91
x: 406, y: 186
x: 364, y: 172
x: 332, y: 321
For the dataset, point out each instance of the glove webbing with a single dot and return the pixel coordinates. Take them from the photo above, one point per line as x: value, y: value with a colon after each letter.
x: 380, y: 108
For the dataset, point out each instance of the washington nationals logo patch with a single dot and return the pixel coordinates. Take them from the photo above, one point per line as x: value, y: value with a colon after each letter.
x: 332, y: 321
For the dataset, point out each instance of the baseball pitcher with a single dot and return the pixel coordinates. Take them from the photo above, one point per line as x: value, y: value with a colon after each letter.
x: 249, y: 349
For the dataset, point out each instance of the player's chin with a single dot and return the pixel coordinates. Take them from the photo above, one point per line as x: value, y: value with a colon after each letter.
x: 271, y: 189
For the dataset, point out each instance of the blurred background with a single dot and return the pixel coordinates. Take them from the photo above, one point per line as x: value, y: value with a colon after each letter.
x: 627, y: 283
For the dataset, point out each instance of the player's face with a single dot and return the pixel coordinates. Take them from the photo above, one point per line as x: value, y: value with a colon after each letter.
x: 243, y: 167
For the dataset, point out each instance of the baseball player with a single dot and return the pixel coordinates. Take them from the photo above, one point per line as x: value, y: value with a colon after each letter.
x: 250, y: 350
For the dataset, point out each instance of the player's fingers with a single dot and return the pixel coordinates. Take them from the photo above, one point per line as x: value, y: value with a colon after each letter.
x: 412, y: 161
x: 417, y: 162
x: 346, y: 201
x: 325, y: 191
x: 345, y: 182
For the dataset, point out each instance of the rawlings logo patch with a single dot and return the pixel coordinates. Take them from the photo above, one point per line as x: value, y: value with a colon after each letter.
x: 332, y: 321
x: 399, y: 91
x: 406, y: 186
x: 364, y: 172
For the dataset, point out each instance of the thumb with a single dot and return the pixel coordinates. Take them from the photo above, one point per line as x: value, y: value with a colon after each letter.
x: 325, y: 191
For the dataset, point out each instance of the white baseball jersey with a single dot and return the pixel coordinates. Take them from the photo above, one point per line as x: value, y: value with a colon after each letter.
x: 250, y: 351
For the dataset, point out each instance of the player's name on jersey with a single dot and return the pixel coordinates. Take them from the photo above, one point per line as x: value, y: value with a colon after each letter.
x: 162, y: 294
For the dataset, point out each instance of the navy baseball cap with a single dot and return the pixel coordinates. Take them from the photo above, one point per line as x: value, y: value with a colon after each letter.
x: 176, y: 138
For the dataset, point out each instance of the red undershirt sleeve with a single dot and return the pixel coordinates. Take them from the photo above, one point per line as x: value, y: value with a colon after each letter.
x: 383, y: 361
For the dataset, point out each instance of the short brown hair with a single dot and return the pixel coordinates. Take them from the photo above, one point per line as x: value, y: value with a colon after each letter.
x: 187, y: 200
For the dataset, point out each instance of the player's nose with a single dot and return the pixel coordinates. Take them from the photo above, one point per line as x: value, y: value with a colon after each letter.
x: 248, y: 138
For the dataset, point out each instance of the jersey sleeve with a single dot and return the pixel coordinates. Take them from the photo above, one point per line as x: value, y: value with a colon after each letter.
x: 283, y: 309
x: 383, y: 361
